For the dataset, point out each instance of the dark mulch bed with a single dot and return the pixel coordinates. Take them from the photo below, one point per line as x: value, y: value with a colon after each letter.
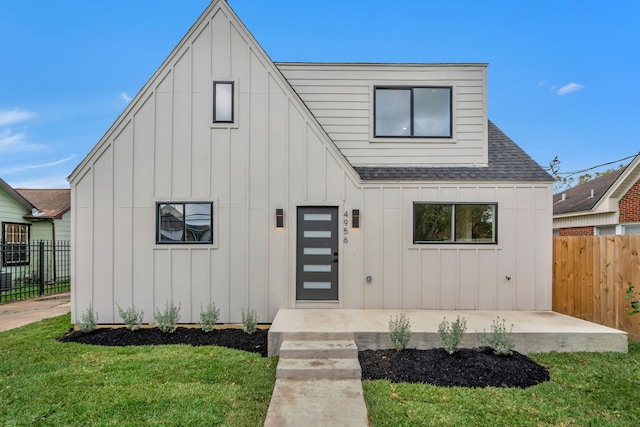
x: 231, y: 338
x: 477, y: 367
x: 467, y: 367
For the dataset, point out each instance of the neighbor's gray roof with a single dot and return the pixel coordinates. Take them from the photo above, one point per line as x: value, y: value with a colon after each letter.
x: 507, y: 162
x: 578, y: 198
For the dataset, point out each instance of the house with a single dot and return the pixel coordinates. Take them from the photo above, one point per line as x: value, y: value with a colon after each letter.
x: 27, y: 216
x: 609, y: 204
x: 253, y: 184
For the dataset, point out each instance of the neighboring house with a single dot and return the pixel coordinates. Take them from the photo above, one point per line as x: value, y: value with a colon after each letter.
x: 28, y: 216
x: 253, y: 184
x: 609, y: 204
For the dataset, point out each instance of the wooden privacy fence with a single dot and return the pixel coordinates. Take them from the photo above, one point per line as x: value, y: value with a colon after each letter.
x: 590, y: 279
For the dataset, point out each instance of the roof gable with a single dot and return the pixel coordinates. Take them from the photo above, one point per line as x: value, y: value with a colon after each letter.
x: 594, y: 195
x: 163, y: 80
x: 17, y: 197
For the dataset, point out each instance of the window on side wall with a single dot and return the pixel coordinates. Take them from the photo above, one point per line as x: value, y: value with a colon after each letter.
x: 412, y: 112
x: 455, y: 223
x: 184, y: 223
x: 223, y: 102
x: 631, y: 229
x: 15, y: 244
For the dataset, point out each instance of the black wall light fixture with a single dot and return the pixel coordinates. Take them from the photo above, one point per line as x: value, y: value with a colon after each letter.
x: 279, y: 218
x: 355, y: 218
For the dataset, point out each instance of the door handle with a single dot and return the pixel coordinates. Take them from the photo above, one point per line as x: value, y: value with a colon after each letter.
x: 335, y: 257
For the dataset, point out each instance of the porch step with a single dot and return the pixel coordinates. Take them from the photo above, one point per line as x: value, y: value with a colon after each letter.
x: 335, y: 349
x: 319, y: 369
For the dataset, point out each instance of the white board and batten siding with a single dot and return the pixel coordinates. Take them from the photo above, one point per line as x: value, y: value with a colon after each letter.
x: 164, y: 148
x: 410, y: 276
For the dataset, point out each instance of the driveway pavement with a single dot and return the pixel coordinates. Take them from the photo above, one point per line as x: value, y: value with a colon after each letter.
x: 20, y: 313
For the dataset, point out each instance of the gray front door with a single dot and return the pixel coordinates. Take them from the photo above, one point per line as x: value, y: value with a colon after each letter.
x: 317, y: 254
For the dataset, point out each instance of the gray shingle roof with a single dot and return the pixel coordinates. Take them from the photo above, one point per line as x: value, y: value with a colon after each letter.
x: 578, y: 198
x: 507, y: 162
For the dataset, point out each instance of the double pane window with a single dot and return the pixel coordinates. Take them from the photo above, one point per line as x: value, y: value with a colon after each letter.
x: 421, y: 112
x: 184, y: 222
x: 454, y: 223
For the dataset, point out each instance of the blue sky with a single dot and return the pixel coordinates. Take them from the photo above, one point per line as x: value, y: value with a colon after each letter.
x: 562, y: 77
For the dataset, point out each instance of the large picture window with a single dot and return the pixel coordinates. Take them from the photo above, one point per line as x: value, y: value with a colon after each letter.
x: 15, y: 244
x: 454, y: 223
x: 184, y: 222
x: 419, y: 112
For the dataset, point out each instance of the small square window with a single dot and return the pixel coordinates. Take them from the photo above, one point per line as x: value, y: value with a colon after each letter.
x: 454, y: 223
x: 184, y: 222
x: 412, y: 112
x: 223, y: 102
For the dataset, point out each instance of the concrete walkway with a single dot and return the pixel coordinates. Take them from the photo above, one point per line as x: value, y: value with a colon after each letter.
x: 20, y: 313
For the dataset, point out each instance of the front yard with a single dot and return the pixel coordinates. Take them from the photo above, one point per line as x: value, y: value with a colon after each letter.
x: 46, y: 382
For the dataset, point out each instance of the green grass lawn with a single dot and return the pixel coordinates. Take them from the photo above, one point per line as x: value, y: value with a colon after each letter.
x: 47, y: 383
x: 586, y: 389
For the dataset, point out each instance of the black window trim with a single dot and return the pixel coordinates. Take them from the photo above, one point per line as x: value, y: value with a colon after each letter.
x: 233, y: 95
x: 411, y: 88
x: 453, y: 218
x: 5, y: 243
x: 185, y: 242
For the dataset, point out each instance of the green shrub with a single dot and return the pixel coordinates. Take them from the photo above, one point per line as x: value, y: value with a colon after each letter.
x: 131, y: 317
x: 167, y: 319
x: 209, y: 317
x: 88, y: 320
x: 249, y: 320
x: 451, y: 333
x: 499, y: 339
x: 399, y: 332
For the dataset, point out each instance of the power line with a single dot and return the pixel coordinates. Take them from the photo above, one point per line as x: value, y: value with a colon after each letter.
x: 554, y: 168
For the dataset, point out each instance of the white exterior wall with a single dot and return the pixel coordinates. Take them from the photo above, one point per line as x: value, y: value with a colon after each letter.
x: 601, y: 219
x: 441, y: 276
x: 164, y: 148
x: 341, y: 98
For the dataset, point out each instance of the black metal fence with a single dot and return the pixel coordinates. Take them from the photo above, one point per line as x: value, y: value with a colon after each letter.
x: 34, y: 269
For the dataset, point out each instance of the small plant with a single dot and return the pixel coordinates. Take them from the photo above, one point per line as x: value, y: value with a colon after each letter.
x: 634, y: 296
x: 249, y: 320
x: 88, y: 319
x: 499, y: 339
x: 131, y: 317
x: 451, y: 333
x: 399, y: 332
x: 209, y: 317
x: 168, y: 319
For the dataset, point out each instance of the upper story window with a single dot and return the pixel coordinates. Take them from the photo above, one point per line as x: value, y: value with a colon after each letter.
x: 15, y: 244
x: 412, y: 112
x: 223, y: 102
x: 454, y: 223
x: 184, y: 222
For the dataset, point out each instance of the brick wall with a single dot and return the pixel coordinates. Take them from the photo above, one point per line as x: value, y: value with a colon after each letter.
x: 629, y: 205
x: 577, y: 231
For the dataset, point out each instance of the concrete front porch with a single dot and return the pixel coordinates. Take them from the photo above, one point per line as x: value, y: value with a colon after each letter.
x: 534, y: 331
